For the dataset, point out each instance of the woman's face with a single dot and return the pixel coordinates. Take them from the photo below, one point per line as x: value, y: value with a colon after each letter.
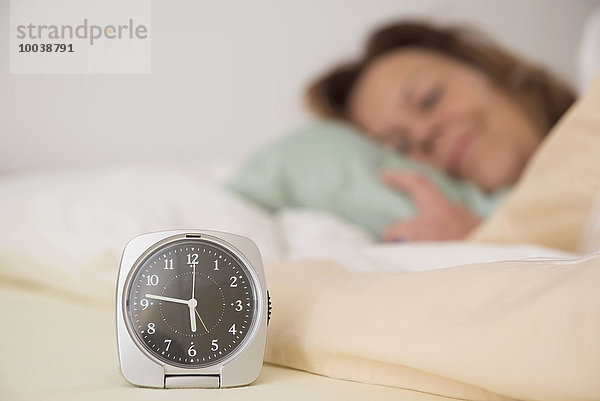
x: 446, y: 113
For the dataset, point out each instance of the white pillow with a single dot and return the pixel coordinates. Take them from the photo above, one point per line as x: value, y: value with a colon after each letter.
x: 67, y: 229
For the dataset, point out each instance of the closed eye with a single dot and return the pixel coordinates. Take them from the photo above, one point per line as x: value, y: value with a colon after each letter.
x: 432, y: 98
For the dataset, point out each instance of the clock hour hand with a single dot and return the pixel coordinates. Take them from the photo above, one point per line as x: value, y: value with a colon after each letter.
x: 192, y: 319
x: 168, y: 299
x: 192, y: 303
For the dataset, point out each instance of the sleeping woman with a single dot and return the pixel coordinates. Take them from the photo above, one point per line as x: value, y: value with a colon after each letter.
x: 449, y: 99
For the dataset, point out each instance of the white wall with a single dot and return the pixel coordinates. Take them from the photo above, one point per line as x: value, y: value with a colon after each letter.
x: 227, y: 76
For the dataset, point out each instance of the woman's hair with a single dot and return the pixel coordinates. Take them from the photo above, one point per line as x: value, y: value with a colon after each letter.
x: 544, y: 97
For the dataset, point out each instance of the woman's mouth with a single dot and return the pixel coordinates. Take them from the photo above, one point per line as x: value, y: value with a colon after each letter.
x: 457, y: 153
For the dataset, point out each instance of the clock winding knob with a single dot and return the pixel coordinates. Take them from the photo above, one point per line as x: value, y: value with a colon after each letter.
x: 269, y: 300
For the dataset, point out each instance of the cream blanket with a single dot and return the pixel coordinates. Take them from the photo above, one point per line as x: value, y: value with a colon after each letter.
x: 524, y: 329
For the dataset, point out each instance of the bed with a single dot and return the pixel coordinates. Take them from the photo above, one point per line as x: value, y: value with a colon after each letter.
x: 61, y: 342
x: 57, y: 288
x: 60, y: 326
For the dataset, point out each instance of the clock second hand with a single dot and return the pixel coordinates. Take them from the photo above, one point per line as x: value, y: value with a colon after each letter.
x: 201, y: 321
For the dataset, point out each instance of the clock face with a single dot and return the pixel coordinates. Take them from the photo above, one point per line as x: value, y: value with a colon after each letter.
x: 191, y: 303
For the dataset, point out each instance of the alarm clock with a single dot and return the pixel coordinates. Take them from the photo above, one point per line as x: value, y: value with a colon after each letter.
x: 192, y: 310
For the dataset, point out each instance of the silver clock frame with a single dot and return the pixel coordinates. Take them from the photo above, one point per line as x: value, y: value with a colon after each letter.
x: 242, y: 367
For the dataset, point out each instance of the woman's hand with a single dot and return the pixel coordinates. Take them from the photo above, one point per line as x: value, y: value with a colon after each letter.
x: 437, y: 218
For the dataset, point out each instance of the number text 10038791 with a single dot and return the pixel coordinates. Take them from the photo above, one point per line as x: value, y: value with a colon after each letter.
x: 46, y: 48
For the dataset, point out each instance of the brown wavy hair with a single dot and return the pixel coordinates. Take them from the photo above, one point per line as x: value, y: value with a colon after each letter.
x: 544, y: 96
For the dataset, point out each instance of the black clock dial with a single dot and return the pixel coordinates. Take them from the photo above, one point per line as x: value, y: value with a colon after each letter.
x: 191, y: 303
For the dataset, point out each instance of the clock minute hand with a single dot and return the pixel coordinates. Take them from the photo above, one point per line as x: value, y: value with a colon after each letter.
x: 193, y: 282
x: 168, y: 299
